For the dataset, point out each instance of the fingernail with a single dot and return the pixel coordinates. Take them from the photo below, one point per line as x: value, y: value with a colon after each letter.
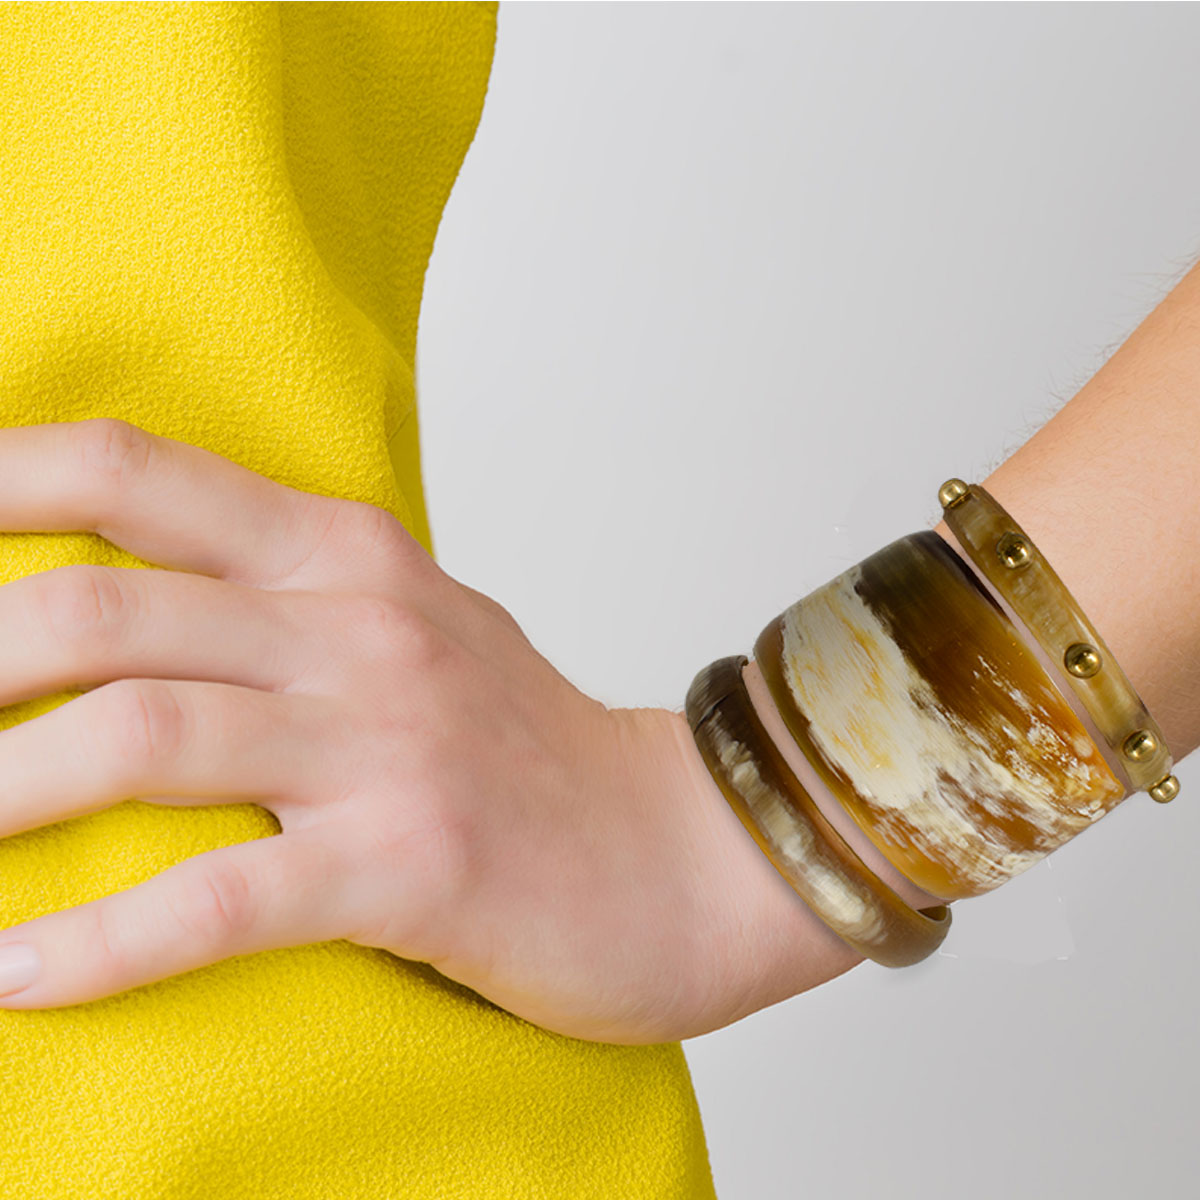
x: 20, y: 965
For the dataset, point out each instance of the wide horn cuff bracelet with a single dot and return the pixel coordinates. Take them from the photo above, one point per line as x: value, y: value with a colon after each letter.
x: 932, y: 721
x: 1008, y: 559
x: 791, y: 830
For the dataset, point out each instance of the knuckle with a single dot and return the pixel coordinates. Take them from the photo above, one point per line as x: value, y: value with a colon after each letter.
x: 106, y: 941
x: 496, y: 610
x: 452, y: 857
x: 145, y: 720
x: 335, y: 531
x: 369, y: 530
x: 216, y: 907
x: 439, y: 860
x: 83, y: 604
x: 369, y: 523
x: 112, y: 451
x: 395, y: 630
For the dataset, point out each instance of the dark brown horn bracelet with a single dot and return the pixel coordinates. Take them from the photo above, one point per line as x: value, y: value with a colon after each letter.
x: 793, y: 832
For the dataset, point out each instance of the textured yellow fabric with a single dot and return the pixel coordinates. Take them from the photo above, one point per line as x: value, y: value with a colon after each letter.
x: 215, y: 222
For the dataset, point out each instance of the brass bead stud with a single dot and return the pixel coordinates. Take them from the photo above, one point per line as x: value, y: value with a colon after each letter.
x: 1140, y: 745
x: 1165, y: 790
x: 952, y: 492
x: 1082, y: 660
x: 1013, y: 550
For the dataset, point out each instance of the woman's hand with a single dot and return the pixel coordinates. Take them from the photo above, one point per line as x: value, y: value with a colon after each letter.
x: 443, y: 792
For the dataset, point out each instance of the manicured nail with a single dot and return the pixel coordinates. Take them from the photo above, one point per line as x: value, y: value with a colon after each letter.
x: 20, y: 965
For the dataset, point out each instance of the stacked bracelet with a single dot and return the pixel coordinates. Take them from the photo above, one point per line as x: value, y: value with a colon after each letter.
x: 793, y: 832
x: 933, y: 722
x: 1008, y: 559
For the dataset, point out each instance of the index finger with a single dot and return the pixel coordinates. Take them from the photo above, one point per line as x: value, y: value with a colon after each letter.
x: 170, y: 503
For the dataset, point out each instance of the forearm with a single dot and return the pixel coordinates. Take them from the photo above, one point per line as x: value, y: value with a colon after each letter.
x: 1104, y: 490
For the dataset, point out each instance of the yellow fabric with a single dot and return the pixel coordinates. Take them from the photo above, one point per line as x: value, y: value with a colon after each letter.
x: 215, y: 223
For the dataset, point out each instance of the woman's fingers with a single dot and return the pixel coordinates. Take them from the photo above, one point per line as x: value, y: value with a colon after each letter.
x: 146, y: 738
x: 82, y: 625
x: 273, y: 892
x: 184, y: 507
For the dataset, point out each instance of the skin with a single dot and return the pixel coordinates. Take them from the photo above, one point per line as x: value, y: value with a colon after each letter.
x: 444, y: 792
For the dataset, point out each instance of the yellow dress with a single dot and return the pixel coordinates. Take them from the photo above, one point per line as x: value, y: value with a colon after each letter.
x: 215, y: 223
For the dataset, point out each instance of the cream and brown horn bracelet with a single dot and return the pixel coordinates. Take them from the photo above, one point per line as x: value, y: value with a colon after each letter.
x: 932, y: 720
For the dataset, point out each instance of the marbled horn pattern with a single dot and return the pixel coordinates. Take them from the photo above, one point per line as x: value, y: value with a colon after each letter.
x: 811, y: 855
x: 928, y: 717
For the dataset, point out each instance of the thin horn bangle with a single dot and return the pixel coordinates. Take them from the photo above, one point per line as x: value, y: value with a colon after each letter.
x: 1006, y: 556
x: 795, y: 835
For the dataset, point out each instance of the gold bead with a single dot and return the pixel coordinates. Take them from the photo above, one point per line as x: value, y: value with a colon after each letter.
x: 1166, y: 789
x: 1082, y: 660
x: 1140, y: 745
x: 952, y: 492
x: 1013, y: 550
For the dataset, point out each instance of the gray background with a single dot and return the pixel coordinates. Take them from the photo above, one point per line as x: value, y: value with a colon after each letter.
x: 722, y: 294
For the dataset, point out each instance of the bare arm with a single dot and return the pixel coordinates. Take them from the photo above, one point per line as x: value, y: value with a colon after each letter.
x: 1105, y: 489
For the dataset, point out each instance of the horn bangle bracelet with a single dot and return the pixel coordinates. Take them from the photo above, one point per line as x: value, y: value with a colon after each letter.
x: 943, y: 728
x: 932, y: 721
x: 1008, y: 559
x: 791, y: 830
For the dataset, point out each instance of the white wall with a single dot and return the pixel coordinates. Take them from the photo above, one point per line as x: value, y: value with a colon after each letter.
x: 723, y: 293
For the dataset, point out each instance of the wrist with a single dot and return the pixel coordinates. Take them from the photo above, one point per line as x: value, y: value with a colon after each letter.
x: 771, y: 944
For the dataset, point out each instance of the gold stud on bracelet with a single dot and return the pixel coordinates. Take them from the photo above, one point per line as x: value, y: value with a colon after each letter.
x: 1165, y: 790
x: 952, y: 492
x: 1082, y: 660
x: 1140, y: 745
x: 1013, y: 550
